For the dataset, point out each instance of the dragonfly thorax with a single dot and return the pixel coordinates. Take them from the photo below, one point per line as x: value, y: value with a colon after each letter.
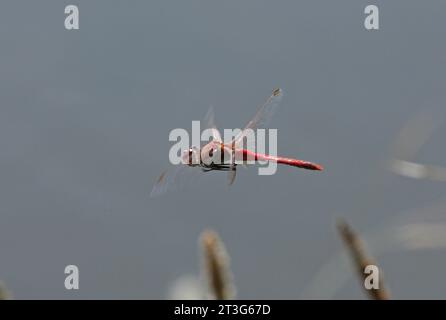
x: 215, y: 154
x: 191, y: 157
x: 210, y: 156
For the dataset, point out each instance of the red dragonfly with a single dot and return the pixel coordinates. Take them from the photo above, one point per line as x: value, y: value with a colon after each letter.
x: 229, y: 154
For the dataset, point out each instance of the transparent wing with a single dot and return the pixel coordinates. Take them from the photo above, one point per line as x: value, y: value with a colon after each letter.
x: 232, y: 174
x: 177, y: 178
x: 263, y: 115
x: 182, y: 176
x: 209, y: 123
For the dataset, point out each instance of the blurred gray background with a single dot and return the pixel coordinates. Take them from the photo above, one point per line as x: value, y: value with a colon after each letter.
x: 85, y: 117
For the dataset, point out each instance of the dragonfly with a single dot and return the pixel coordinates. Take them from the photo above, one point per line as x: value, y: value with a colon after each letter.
x: 196, y: 160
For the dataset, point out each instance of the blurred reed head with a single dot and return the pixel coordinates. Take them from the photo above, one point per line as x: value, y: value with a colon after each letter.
x: 215, y: 267
x: 360, y: 259
x: 4, y: 292
x: 185, y: 287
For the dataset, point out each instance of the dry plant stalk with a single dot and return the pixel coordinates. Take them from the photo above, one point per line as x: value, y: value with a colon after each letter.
x: 360, y: 259
x: 216, y: 266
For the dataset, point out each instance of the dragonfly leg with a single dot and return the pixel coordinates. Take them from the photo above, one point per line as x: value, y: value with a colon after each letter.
x: 223, y: 167
x: 218, y: 167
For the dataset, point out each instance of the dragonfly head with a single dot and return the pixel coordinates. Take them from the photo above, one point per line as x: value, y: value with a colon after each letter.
x: 191, y: 156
